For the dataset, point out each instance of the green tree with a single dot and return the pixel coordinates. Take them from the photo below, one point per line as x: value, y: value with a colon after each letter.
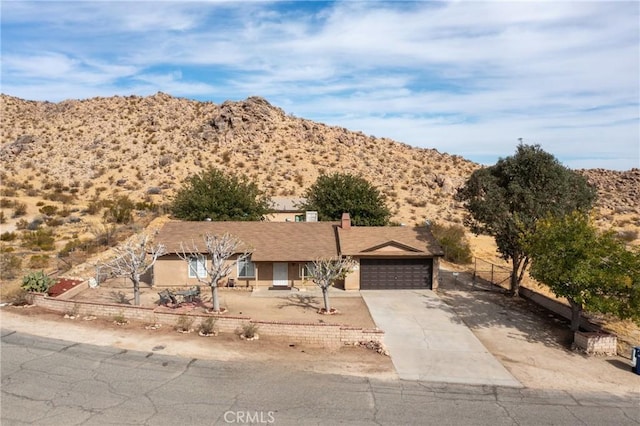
x: 332, y: 195
x: 454, y: 242
x: 216, y: 196
x: 507, y: 199
x: 593, y: 271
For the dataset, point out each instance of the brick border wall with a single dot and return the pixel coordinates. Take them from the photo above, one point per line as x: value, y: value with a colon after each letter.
x: 331, y: 336
x: 596, y: 343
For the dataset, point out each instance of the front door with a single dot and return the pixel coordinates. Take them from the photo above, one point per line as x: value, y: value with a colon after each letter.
x: 280, y: 274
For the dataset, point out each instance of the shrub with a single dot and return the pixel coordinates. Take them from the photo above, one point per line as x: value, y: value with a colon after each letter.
x: 36, y: 282
x: 39, y: 261
x: 8, y: 236
x: 48, y: 210
x: 120, y: 210
x: 10, y: 264
x: 19, y: 209
x: 249, y: 330
x: 60, y: 197
x: 41, y: 239
x: 184, y: 323
x: 3, y: 218
x: 120, y: 319
x: 21, y: 298
x: 453, y: 241
x: 54, y: 221
x: 208, y: 326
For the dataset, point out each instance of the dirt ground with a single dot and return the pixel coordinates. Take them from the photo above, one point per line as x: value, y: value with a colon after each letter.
x: 535, y: 345
x: 294, y: 307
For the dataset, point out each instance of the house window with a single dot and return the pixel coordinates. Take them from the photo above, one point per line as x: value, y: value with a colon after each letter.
x: 246, y: 269
x: 197, y: 266
x: 304, y: 270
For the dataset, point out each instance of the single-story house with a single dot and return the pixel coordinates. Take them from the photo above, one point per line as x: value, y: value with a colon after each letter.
x: 286, y: 209
x: 387, y: 257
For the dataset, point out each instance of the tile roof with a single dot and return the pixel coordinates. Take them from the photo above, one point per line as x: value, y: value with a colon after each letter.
x: 363, y: 241
x: 268, y: 241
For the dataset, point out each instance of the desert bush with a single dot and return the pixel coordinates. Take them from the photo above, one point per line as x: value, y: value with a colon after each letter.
x: 3, y: 218
x: 453, y: 241
x: 48, y: 210
x: 10, y: 264
x: 54, y: 222
x: 19, y: 209
x: 120, y: 319
x: 8, y: 192
x: 208, y: 326
x: 95, y: 205
x: 184, y: 323
x: 249, y: 330
x: 120, y: 211
x: 8, y: 236
x: 59, y: 197
x: 39, y: 261
x: 21, y: 298
x: 40, y: 239
x: 37, y: 282
x: 22, y: 224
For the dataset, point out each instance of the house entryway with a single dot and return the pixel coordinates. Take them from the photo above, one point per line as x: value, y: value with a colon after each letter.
x: 280, y: 274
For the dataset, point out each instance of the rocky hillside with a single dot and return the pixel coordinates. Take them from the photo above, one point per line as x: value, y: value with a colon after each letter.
x: 145, y: 146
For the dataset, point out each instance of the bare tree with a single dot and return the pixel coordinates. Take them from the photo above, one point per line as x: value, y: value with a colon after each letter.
x: 324, y: 272
x: 219, y: 250
x: 133, y: 259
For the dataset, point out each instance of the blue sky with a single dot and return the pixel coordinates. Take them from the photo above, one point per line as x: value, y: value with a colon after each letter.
x: 464, y: 77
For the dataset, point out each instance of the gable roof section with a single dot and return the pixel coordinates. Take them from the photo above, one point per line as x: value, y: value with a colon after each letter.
x: 391, y: 246
x: 268, y: 241
x: 367, y: 241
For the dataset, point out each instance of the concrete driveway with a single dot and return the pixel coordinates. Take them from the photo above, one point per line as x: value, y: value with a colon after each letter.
x: 428, y: 341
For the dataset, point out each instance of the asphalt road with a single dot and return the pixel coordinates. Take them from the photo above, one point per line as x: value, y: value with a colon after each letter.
x: 54, y: 382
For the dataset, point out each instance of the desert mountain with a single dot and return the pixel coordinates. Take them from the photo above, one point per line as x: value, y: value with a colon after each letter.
x: 145, y: 146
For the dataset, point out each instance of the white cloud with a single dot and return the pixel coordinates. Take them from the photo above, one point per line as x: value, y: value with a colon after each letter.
x: 464, y: 77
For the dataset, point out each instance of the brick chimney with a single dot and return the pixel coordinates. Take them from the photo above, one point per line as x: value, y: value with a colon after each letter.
x: 345, y: 221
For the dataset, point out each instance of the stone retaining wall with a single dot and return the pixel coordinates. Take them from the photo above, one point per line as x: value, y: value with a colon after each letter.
x: 330, y: 336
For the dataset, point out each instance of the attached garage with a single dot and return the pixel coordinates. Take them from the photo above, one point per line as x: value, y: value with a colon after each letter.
x: 380, y: 273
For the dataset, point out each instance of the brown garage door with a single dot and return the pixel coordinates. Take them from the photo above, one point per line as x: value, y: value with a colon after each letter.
x: 378, y: 274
